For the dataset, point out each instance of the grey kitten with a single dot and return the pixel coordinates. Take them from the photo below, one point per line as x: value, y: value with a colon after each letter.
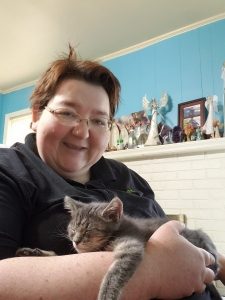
x: 101, y: 226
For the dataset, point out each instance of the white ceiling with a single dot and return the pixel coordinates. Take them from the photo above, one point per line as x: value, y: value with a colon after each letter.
x: 35, y: 32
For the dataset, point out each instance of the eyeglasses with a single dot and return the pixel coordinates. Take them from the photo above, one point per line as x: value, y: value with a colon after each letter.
x: 67, y: 117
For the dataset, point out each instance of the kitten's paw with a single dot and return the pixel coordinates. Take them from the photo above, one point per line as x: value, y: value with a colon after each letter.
x: 28, y: 252
x: 32, y: 252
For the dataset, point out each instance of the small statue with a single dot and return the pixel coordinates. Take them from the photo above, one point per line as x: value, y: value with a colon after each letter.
x: 154, y: 107
x: 199, y: 135
x: 143, y: 136
x: 132, y: 141
x: 114, y: 137
x: 177, y: 134
x: 123, y: 135
x: 165, y: 133
x: 211, y: 106
x: 223, y: 78
x: 189, y: 130
x: 216, y: 126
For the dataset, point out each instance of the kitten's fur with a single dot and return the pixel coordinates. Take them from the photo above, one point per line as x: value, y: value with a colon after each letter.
x: 104, y: 227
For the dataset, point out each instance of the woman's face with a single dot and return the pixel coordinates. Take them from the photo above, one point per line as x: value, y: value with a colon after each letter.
x: 72, y: 150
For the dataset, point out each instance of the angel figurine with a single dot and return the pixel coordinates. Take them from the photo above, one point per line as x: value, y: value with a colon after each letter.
x: 114, y: 136
x: 154, y: 107
x: 223, y: 78
x: 211, y: 106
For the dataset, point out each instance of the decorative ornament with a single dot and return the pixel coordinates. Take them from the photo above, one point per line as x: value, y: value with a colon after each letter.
x: 154, y: 107
x: 211, y: 106
x: 114, y: 137
x: 223, y: 77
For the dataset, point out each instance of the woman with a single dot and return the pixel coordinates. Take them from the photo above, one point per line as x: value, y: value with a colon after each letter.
x: 72, y: 108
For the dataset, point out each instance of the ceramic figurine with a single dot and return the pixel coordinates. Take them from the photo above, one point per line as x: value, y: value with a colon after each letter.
x: 132, y: 141
x: 143, y: 136
x: 223, y: 78
x: 177, y: 134
x: 124, y: 135
x: 211, y: 106
x: 114, y: 136
x: 154, y: 107
x: 199, y: 135
x: 216, y: 125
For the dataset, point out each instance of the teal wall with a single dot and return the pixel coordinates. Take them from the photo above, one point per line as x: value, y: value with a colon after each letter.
x: 187, y: 66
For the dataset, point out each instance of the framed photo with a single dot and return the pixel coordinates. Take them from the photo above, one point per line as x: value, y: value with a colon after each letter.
x: 192, y: 112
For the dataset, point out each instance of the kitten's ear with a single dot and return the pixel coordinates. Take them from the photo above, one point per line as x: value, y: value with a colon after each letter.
x: 71, y: 205
x: 113, y: 210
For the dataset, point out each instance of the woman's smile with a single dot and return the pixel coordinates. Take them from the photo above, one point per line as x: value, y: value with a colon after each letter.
x: 75, y: 147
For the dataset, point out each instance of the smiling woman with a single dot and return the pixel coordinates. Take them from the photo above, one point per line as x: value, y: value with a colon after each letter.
x: 68, y: 146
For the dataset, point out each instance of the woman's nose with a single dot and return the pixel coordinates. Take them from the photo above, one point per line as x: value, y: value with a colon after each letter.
x: 81, y: 129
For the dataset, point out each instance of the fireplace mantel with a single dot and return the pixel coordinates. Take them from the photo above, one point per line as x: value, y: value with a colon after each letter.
x: 168, y: 150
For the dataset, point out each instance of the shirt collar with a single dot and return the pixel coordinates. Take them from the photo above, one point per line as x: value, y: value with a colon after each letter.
x: 30, y: 142
x: 102, y: 170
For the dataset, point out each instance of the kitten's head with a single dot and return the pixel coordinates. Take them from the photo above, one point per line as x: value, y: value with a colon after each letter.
x: 92, y: 225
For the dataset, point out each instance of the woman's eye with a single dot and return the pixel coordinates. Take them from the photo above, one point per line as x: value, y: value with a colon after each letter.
x: 99, y: 122
x: 67, y: 113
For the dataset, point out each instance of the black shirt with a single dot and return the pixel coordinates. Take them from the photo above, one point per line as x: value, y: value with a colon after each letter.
x: 31, y: 198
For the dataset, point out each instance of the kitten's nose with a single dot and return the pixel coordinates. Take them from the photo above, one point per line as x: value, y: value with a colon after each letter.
x: 77, y: 242
x: 77, y: 239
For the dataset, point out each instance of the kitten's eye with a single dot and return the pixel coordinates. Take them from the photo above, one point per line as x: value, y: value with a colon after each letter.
x: 97, y: 229
x: 88, y: 232
x: 71, y: 229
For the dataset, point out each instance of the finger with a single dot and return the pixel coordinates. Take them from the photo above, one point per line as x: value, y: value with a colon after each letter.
x: 177, y: 226
x: 201, y: 289
x: 208, y: 257
x: 209, y: 276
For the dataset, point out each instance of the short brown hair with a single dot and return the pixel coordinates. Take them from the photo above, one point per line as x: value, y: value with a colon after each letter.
x: 71, y: 67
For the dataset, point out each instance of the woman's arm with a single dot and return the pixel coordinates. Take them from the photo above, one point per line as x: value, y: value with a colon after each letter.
x: 172, y: 268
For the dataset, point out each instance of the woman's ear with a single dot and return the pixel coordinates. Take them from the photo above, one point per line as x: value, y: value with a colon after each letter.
x: 35, y: 115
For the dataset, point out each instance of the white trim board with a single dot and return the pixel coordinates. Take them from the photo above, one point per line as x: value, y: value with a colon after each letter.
x: 16, y: 126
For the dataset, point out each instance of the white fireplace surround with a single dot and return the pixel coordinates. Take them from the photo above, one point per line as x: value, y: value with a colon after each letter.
x: 187, y: 178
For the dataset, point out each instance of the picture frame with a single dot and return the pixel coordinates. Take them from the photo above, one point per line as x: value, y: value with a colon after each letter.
x: 193, y: 112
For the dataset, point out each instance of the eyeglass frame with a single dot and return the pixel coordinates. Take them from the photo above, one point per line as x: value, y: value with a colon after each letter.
x: 77, y: 120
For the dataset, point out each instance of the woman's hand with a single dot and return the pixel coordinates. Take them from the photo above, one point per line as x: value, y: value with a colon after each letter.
x: 176, y: 267
x: 221, y: 274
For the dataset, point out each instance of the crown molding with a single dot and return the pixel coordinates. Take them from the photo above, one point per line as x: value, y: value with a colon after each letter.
x: 162, y: 37
x: 19, y: 87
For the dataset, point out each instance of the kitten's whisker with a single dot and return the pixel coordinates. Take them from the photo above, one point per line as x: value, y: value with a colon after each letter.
x: 61, y: 232
x: 72, y: 249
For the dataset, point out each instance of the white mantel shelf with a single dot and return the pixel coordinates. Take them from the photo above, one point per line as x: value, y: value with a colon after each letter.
x: 186, y: 148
